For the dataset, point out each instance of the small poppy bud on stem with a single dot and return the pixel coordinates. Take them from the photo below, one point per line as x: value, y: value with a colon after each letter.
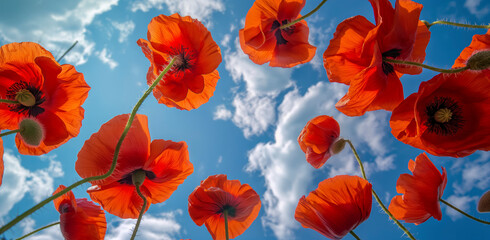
x: 139, y: 177
x: 479, y: 61
x: 338, y: 146
x: 25, y: 98
x: 484, y: 203
x: 31, y: 131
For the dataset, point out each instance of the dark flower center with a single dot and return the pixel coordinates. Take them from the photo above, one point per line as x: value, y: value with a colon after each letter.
x: 229, y: 209
x: 444, y: 116
x: 278, y: 33
x: 21, y: 86
x: 184, y: 58
x: 128, y: 178
x: 392, y: 53
x: 65, y: 207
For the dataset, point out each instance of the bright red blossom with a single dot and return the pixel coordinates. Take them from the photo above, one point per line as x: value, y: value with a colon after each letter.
x: 263, y: 41
x: 79, y: 219
x: 165, y: 163
x: 216, y: 194
x: 421, y: 192
x: 479, y: 43
x: 355, y: 55
x: 316, y: 139
x: 336, y: 207
x: 193, y: 77
x: 58, y: 91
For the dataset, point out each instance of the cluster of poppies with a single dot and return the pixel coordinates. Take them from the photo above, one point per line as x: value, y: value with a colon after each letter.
x: 40, y: 101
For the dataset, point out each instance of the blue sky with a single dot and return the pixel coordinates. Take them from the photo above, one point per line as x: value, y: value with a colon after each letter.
x: 249, y: 127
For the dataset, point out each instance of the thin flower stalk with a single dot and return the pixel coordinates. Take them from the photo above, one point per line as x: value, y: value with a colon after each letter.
x: 9, y: 132
x: 39, y: 229
x: 141, y: 213
x: 455, y: 24
x: 354, y: 235
x: 462, y: 212
x: 303, y: 17
x: 441, y: 70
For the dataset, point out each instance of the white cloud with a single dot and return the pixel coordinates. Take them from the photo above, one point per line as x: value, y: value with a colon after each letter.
x: 253, y: 114
x: 52, y: 233
x: 222, y: 113
x: 317, y: 38
x: 58, y: 28
x: 28, y: 225
x: 161, y: 227
x: 461, y: 202
x: 106, y: 58
x: 282, y: 158
x: 17, y: 181
x: 198, y: 9
x: 124, y: 28
x: 474, y: 7
x: 475, y: 174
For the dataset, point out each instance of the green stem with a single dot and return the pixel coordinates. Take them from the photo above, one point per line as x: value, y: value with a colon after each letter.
x: 303, y: 17
x: 37, y: 230
x: 141, y: 212
x: 225, y: 213
x: 461, y: 211
x: 355, y: 235
x: 441, y: 70
x: 67, y: 51
x: 94, y: 178
x: 9, y: 101
x: 455, y: 24
x: 9, y: 132
x: 376, y: 195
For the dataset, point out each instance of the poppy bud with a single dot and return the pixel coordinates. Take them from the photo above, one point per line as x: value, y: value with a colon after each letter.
x: 337, y: 146
x: 25, y: 98
x: 479, y: 61
x: 484, y: 203
x: 31, y: 131
x: 138, y: 177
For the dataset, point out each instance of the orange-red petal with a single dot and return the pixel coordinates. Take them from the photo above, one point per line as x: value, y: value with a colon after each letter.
x: 478, y: 43
x: 336, y: 207
x: 421, y: 192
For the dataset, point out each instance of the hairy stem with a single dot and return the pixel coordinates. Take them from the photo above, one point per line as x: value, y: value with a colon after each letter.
x: 455, y: 24
x: 141, y: 212
x: 441, y: 70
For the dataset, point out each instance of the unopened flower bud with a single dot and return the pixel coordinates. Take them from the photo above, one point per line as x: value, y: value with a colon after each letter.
x: 338, y: 146
x: 25, y: 98
x: 31, y: 131
x: 138, y: 177
x: 479, y: 61
x: 484, y: 203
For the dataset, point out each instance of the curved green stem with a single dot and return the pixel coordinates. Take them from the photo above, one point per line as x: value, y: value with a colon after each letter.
x: 441, y: 70
x: 9, y: 132
x: 455, y: 24
x: 354, y: 235
x: 380, y: 203
x: 225, y: 213
x: 303, y: 17
x: 141, y: 212
x: 9, y: 101
x: 94, y: 178
x: 462, y: 212
x: 39, y: 229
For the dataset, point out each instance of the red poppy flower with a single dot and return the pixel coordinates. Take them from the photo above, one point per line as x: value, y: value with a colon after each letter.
x: 479, y: 43
x: 263, y: 41
x: 355, y: 55
x: 56, y: 91
x: 193, y: 77
x: 421, y: 192
x: 336, y: 207
x: 448, y: 116
x: 1, y: 161
x: 317, y: 138
x: 165, y: 163
x: 215, y: 195
x: 79, y: 219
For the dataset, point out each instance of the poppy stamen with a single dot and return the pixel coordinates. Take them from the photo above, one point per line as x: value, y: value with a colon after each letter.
x: 444, y: 116
x: 29, y: 97
x: 184, y: 59
x: 392, y: 53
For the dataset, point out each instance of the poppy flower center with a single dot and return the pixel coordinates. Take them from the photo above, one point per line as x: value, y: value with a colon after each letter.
x: 184, y: 58
x: 392, y: 53
x: 444, y: 116
x: 278, y: 33
x: 29, y: 97
x: 128, y: 178
x: 229, y: 209
x: 65, y: 207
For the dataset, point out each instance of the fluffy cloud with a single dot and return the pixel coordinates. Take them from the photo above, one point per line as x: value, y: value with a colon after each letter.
x: 474, y: 7
x: 318, y: 31
x: 124, y: 28
x: 222, y: 113
x: 253, y: 114
x: 17, y: 181
x: 161, y: 227
x: 56, y: 28
x: 106, y: 58
x: 461, y: 202
x: 199, y: 9
x: 474, y: 174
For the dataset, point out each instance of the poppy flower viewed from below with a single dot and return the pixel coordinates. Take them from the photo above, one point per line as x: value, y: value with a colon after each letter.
x: 47, y: 92
x: 479, y: 43
x: 165, y: 163
x: 421, y: 192
x: 448, y: 116
x: 336, y: 207
x: 263, y: 40
x: 192, y: 79
x: 319, y: 140
x: 79, y: 219
x: 355, y: 55
x: 215, y: 195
